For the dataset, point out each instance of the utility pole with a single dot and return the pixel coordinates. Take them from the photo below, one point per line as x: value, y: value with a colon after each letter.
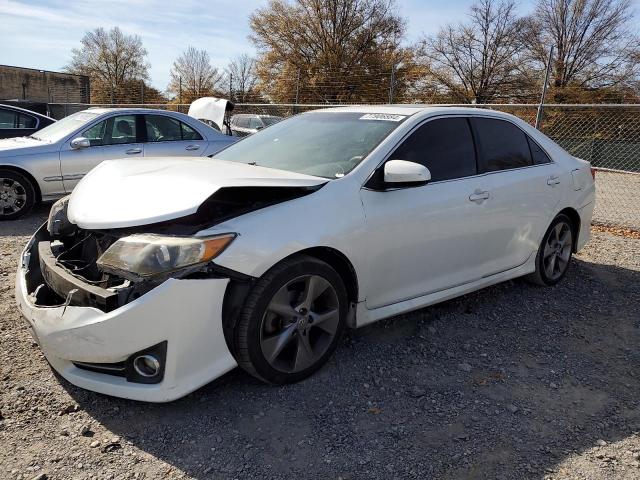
x: 142, y: 90
x: 179, y: 90
x: 544, y: 89
x: 230, y: 86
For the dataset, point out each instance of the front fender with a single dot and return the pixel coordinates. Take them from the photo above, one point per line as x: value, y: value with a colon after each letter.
x: 331, y: 217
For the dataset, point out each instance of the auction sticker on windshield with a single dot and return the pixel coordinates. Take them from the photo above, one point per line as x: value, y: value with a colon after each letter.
x: 383, y: 116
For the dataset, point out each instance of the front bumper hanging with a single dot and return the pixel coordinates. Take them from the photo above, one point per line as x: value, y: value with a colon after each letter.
x: 183, y: 314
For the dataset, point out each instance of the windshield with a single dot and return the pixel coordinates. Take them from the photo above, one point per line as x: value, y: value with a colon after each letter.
x: 325, y: 144
x: 60, y: 129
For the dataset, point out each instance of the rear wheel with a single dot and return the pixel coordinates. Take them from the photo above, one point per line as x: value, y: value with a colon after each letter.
x: 17, y: 194
x: 292, y: 321
x: 555, y: 252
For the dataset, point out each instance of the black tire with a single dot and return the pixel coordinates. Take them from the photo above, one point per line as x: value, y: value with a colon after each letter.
x: 247, y: 333
x: 541, y: 275
x: 20, y: 184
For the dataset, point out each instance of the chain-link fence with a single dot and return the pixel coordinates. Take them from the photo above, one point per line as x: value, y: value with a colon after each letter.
x: 608, y: 136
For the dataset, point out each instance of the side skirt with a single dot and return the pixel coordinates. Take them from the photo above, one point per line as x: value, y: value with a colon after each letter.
x: 365, y: 316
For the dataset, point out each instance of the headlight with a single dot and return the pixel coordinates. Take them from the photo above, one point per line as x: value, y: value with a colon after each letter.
x: 145, y: 255
x: 58, y: 224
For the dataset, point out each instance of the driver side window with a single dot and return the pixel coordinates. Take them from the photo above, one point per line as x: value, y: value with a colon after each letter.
x: 445, y: 146
x: 117, y: 130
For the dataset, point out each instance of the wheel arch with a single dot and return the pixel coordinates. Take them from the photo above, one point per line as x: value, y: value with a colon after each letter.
x: 574, y: 216
x: 341, y: 264
x: 29, y: 176
x: 240, y: 285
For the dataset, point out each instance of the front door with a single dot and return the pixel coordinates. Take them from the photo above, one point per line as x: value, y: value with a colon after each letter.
x: 112, y: 138
x: 429, y: 238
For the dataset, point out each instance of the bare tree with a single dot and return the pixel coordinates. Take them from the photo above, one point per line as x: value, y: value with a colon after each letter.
x: 326, y: 50
x: 243, y: 77
x: 594, y: 46
x: 478, y: 60
x: 112, y: 60
x: 192, y: 75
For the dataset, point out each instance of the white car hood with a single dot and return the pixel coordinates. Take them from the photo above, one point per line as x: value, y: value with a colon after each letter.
x: 126, y: 193
x: 22, y: 146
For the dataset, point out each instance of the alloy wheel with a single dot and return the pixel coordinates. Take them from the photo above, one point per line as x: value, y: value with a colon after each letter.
x: 299, y: 323
x: 13, y: 196
x: 557, y: 251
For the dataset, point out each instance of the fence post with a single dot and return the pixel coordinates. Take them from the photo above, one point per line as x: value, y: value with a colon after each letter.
x: 544, y: 89
x: 392, y: 82
x: 295, y: 109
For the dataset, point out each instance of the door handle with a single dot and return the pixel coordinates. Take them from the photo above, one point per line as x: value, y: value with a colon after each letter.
x: 479, y: 196
x: 192, y: 147
x: 553, y: 180
x: 133, y: 151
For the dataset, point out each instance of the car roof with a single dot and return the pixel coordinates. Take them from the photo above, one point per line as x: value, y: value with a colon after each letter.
x: 101, y: 110
x: 24, y: 110
x: 412, y: 109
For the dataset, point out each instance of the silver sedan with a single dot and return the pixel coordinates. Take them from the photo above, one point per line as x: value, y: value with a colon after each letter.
x: 49, y: 163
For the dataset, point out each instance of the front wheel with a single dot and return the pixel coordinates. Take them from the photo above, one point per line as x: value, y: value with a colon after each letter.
x: 555, y: 252
x: 292, y: 321
x: 17, y: 194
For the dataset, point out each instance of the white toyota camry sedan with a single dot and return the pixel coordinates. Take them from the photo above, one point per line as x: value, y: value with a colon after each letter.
x: 155, y: 276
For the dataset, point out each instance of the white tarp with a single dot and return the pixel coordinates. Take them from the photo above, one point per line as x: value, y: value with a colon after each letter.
x: 211, y: 109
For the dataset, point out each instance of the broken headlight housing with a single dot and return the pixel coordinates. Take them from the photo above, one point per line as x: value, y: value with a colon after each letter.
x: 146, y: 255
x: 58, y: 223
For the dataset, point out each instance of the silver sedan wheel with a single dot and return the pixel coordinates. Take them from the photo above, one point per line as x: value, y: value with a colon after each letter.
x: 557, y: 251
x: 13, y: 196
x: 299, y: 324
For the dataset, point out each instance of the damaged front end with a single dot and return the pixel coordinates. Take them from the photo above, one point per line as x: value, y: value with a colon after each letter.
x: 108, y: 268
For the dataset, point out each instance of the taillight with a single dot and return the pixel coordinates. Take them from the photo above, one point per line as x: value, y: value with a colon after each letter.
x: 593, y: 173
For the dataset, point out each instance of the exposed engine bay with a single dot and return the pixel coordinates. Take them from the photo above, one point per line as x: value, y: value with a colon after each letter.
x: 63, y: 260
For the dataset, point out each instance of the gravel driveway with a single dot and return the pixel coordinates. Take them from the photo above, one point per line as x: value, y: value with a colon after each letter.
x: 512, y: 382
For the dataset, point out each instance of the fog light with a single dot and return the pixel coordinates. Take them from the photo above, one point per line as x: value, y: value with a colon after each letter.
x: 146, y: 366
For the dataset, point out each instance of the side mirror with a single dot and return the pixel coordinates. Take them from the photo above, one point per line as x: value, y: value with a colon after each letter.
x: 402, y: 171
x: 259, y: 127
x: 80, y: 142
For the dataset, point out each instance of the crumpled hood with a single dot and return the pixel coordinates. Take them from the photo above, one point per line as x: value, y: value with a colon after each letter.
x: 127, y: 193
x: 23, y: 146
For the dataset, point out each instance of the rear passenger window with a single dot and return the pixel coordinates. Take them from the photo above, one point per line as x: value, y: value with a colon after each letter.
x: 502, y: 145
x: 8, y: 119
x: 27, y: 121
x: 161, y: 128
x: 539, y: 156
x: 444, y: 146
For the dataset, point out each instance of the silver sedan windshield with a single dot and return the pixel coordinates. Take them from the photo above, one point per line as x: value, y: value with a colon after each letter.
x: 325, y: 144
x: 60, y: 129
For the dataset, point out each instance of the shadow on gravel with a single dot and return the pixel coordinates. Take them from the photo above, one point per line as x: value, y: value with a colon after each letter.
x: 503, y: 383
x: 28, y: 224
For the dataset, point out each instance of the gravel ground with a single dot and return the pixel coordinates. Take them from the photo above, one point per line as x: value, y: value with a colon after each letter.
x: 512, y: 382
x: 618, y: 199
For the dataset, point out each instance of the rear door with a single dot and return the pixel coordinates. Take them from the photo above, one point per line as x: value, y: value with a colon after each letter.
x: 114, y: 137
x: 169, y: 137
x: 524, y: 187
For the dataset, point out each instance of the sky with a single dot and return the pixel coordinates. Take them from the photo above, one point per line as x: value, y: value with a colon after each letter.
x: 41, y: 34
